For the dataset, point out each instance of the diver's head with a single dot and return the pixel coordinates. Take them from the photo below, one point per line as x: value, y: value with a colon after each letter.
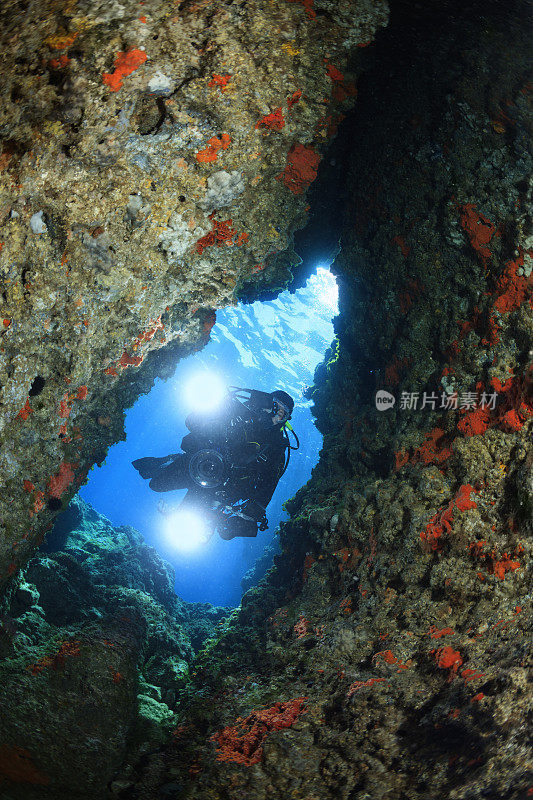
x: 282, y: 406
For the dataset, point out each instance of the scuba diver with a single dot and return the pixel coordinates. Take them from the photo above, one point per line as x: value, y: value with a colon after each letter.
x: 231, y: 462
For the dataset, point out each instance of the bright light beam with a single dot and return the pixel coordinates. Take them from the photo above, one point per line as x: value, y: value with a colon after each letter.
x: 324, y: 286
x: 186, y: 531
x: 204, y: 391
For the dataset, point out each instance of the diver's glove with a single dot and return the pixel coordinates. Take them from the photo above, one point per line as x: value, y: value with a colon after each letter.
x: 237, y: 526
x: 165, y: 509
x: 148, y: 467
x: 254, y: 510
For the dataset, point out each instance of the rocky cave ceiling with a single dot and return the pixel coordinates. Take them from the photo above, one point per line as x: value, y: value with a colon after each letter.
x: 159, y: 162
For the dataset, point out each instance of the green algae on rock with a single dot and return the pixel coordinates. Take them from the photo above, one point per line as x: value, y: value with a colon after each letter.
x: 95, y: 649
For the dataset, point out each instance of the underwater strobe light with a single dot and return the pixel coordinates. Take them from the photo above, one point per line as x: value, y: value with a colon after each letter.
x: 204, y: 391
x: 186, y: 531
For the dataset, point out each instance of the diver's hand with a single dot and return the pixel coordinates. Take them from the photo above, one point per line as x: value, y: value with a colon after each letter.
x: 254, y: 510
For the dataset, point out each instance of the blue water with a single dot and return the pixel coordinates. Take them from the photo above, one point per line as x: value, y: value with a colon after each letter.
x: 267, y: 346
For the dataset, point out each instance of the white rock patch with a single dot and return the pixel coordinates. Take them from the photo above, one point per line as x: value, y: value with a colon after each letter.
x: 37, y: 223
x: 222, y: 188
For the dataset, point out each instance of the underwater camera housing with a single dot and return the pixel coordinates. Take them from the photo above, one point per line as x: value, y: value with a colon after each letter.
x: 208, y: 469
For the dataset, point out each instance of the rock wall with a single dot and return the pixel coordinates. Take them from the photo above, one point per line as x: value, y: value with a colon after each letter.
x: 95, y: 650
x: 386, y: 655
x: 154, y: 166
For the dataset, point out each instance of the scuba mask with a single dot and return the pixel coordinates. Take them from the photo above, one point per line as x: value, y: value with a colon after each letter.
x: 278, y: 407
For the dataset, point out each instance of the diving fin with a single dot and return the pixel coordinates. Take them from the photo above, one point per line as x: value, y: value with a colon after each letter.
x: 149, y: 466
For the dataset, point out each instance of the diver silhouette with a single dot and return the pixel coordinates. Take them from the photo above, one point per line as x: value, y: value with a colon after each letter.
x: 231, y: 462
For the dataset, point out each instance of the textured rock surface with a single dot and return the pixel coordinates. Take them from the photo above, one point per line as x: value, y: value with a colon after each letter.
x: 400, y: 607
x: 154, y: 163
x: 55, y: 701
x: 95, y: 650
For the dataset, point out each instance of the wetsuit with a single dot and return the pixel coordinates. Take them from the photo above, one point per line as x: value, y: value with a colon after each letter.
x: 252, y: 446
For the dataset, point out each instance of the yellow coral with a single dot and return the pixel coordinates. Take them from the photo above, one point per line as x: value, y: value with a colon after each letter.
x: 290, y: 49
x: 61, y: 40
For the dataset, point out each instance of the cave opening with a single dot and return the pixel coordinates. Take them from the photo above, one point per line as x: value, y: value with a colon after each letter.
x: 275, y: 344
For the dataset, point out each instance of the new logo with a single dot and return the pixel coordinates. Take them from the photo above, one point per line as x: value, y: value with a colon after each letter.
x: 384, y: 400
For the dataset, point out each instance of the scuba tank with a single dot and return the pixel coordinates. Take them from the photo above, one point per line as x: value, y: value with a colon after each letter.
x: 255, y: 403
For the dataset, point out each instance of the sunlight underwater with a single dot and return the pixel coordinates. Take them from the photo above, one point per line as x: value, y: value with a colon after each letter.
x: 264, y: 345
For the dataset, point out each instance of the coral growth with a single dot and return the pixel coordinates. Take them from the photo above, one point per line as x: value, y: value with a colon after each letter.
x: 221, y: 234
x: 478, y: 229
x: 301, y: 168
x: 17, y: 766
x: 243, y: 741
x: 61, y: 480
x: 125, y: 64
x: 214, y: 145
x: 440, y: 525
x: 273, y: 121
x: 219, y: 81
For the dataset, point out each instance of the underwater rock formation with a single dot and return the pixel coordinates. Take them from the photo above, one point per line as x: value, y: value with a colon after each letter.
x: 95, y: 649
x: 154, y: 167
x: 258, y: 571
x: 385, y: 656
